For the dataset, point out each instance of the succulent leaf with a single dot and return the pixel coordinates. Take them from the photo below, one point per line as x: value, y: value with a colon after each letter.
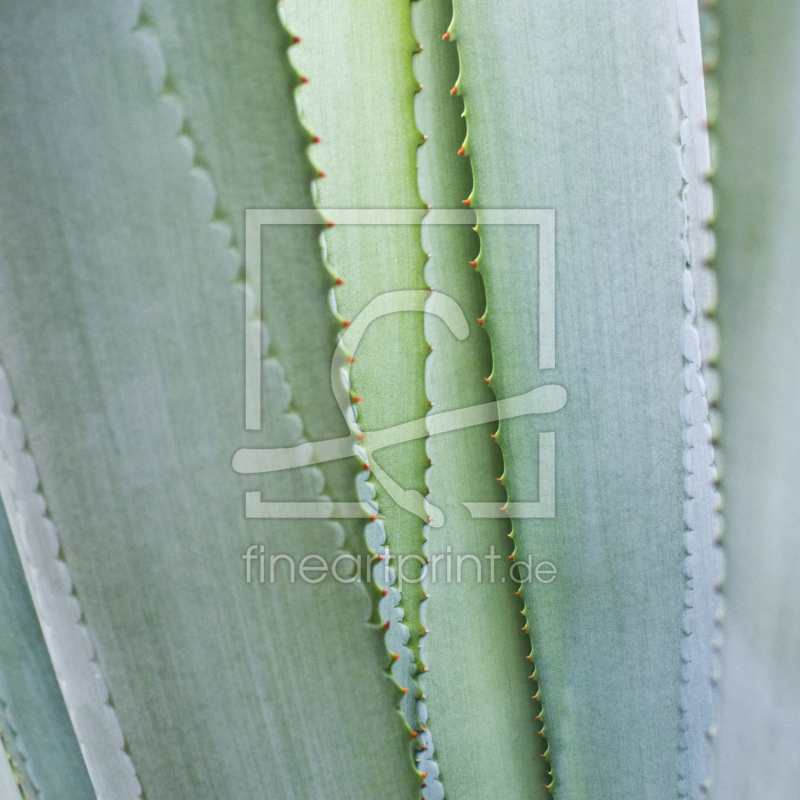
x: 9, y: 787
x: 122, y: 334
x: 757, y: 192
x: 360, y: 101
x: 590, y: 131
x: 478, y: 693
x: 34, y: 723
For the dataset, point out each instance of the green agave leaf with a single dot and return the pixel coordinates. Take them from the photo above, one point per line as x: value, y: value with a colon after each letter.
x: 128, y: 161
x: 34, y: 722
x: 479, y: 710
x: 9, y: 789
x: 359, y: 100
x: 576, y: 108
x: 758, y: 197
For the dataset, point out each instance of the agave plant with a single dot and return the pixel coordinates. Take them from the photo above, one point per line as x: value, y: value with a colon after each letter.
x: 358, y: 400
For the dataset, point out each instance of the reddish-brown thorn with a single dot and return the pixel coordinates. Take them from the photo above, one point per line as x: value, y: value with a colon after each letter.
x: 487, y: 380
x: 460, y: 151
x: 494, y: 436
x: 361, y: 436
x: 480, y: 320
x: 316, y: 140
x: 296, y: 39
x: 405, y: 690
x: 322, y: 174
x: 454, y: 90
x: 356, y: 399
x: 501, y: 477
x: 466, y: 202
x: 395, y: 656
x: 539, y: 717
x: 373, y: 517
x: 473, y: 264
x: 365, y: 467
x: 304, y: 79
x: 414, y: 736
x: 330, y: 224
x: 385, y: 592
x: 386, y: 625
x: 340, y: 281
x: 345, y: 323
x: 447, y: 35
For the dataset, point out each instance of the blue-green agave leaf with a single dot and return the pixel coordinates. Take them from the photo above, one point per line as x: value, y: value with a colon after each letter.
x: 757, y: 191
x: 132, y: 141
x: 34, y: 722
x: 575, y: 109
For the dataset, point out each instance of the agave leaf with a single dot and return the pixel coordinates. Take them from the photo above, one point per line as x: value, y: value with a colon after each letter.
x: 757, y: 191
x: 33, y: 718
x: 478, y: 693
x: 704, y: 563
x: 575, y: 107
x: 9, y: 789
x: 359, y: 100
x: 122, y: 334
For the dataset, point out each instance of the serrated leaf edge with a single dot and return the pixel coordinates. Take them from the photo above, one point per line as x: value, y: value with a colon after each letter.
x: 703, y: 562
x: 83, y: 686
x: 471, y: 201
